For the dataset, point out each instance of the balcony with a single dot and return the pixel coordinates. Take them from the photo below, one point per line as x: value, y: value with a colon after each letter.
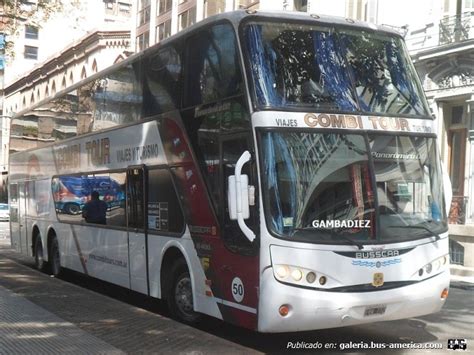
x: 455, y: 28
x: 449, y: 30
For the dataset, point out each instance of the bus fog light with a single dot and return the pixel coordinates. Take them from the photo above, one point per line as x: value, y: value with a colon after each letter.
x: 311, y: 277
x: 429, y: 268
x: 420, y: 272
x: 444, y: 294
x: 322, y: 280
x: 296, y: 274
x: 284, y: 310
x: 445, y: 260
x: 282, y: 271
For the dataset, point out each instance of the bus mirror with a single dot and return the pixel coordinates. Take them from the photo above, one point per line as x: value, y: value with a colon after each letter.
x: 238, y: 196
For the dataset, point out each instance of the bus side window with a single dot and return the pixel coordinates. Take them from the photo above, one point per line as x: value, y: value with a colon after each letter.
x: 72, y: 192
x: 164, y: 212
x: 213, y: 72
x: 162, y: 82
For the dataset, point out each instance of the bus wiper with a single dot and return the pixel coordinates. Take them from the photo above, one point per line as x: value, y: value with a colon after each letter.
x: 352, y: 241
x: 429, y: 230
x: 331, y: 232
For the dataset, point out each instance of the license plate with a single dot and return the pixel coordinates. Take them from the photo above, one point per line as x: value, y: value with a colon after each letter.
x: 375, y: 310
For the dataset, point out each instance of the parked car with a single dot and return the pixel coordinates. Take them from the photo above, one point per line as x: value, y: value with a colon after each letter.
x: 4, y: 212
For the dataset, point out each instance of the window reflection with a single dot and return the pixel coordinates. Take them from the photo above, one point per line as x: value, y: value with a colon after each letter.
x: 72, y: 192
x: 295, y: 65
x: 107, y: 102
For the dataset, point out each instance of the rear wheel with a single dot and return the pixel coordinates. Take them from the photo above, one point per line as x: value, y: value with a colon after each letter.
x: 54, y: 257
x: 39, y: 257
x: 180, y: 296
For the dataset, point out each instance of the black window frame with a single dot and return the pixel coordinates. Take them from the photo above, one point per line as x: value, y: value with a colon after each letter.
x: 31, y: 52
x: 179, y: 205
x: 31, y: 32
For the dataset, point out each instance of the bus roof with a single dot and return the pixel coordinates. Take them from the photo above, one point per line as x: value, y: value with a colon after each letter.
x: 235, y: 17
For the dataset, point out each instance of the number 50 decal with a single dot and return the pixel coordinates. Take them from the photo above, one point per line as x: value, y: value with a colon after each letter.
x: 238, y: 289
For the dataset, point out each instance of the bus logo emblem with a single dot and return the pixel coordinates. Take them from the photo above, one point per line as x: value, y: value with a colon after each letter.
x: 378, y: 279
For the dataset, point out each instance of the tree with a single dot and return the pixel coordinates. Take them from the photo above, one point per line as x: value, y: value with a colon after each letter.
x: 16, y: 13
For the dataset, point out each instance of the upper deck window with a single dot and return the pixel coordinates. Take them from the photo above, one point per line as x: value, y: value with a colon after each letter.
x: 297, y: 66
x: 213, y: 70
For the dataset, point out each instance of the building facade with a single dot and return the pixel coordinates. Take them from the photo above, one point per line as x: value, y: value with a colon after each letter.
x: 41, y: 62
x: 443, y: 53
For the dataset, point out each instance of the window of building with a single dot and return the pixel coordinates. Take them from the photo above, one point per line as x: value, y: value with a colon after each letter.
x: 164, y: 6
x: 124, y: 8
x: 163, y: 30
x: 31, y: 32
x: 144, y: 12
x: 301, y: 5
x: 143, y: 41
x: 456, y: 114
x: 468, y: 4
x: 187, y: 18
x: 31, y: 52
x: 457, y: 150
x: 213, y: 7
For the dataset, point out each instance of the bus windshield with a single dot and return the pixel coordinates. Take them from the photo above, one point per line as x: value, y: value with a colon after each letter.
x: 295, y: 66
x: 331, y: 187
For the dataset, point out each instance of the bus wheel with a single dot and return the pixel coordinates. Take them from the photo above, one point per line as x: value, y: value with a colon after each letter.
x: 54, y: 258
x: 180, y: 297
x: 39, y: 259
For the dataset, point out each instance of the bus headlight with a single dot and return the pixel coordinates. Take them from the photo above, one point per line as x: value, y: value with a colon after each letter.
x: 298, y: 275
x: 282, y: 271
x: 436, y: 265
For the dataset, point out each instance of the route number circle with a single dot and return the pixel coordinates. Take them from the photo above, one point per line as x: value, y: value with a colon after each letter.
x: 238, y: 289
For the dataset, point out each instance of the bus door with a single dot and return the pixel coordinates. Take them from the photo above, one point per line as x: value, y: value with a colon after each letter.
x: 137, y: 228
x: 240, y: 271
x: 14, y: 218
x: 22, y: 218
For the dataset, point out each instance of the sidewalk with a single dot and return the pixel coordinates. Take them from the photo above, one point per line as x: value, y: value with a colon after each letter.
x: 40, y: 314
x: 29, y: 329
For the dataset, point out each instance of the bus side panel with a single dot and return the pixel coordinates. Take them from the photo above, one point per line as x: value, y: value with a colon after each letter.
x: 233, y: 278
x: 102, y: 253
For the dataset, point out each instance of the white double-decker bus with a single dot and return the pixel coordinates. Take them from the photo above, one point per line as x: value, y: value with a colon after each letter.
x: 278, y: 171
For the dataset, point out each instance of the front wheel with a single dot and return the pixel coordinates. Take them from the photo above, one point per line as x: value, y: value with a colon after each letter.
x: 55, y: 257
x: 180, y: 296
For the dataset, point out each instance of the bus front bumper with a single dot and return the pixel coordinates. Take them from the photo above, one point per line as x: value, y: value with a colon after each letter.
x: 312, y: 309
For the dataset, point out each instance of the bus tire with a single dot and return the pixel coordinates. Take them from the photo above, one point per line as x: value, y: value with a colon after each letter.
x: 72, y: 208
x: 40, y: 264
x: 54, y: 257
x: 180, y: 296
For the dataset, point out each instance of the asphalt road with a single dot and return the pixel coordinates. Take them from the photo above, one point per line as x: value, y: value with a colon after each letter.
x: 455, y: 321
